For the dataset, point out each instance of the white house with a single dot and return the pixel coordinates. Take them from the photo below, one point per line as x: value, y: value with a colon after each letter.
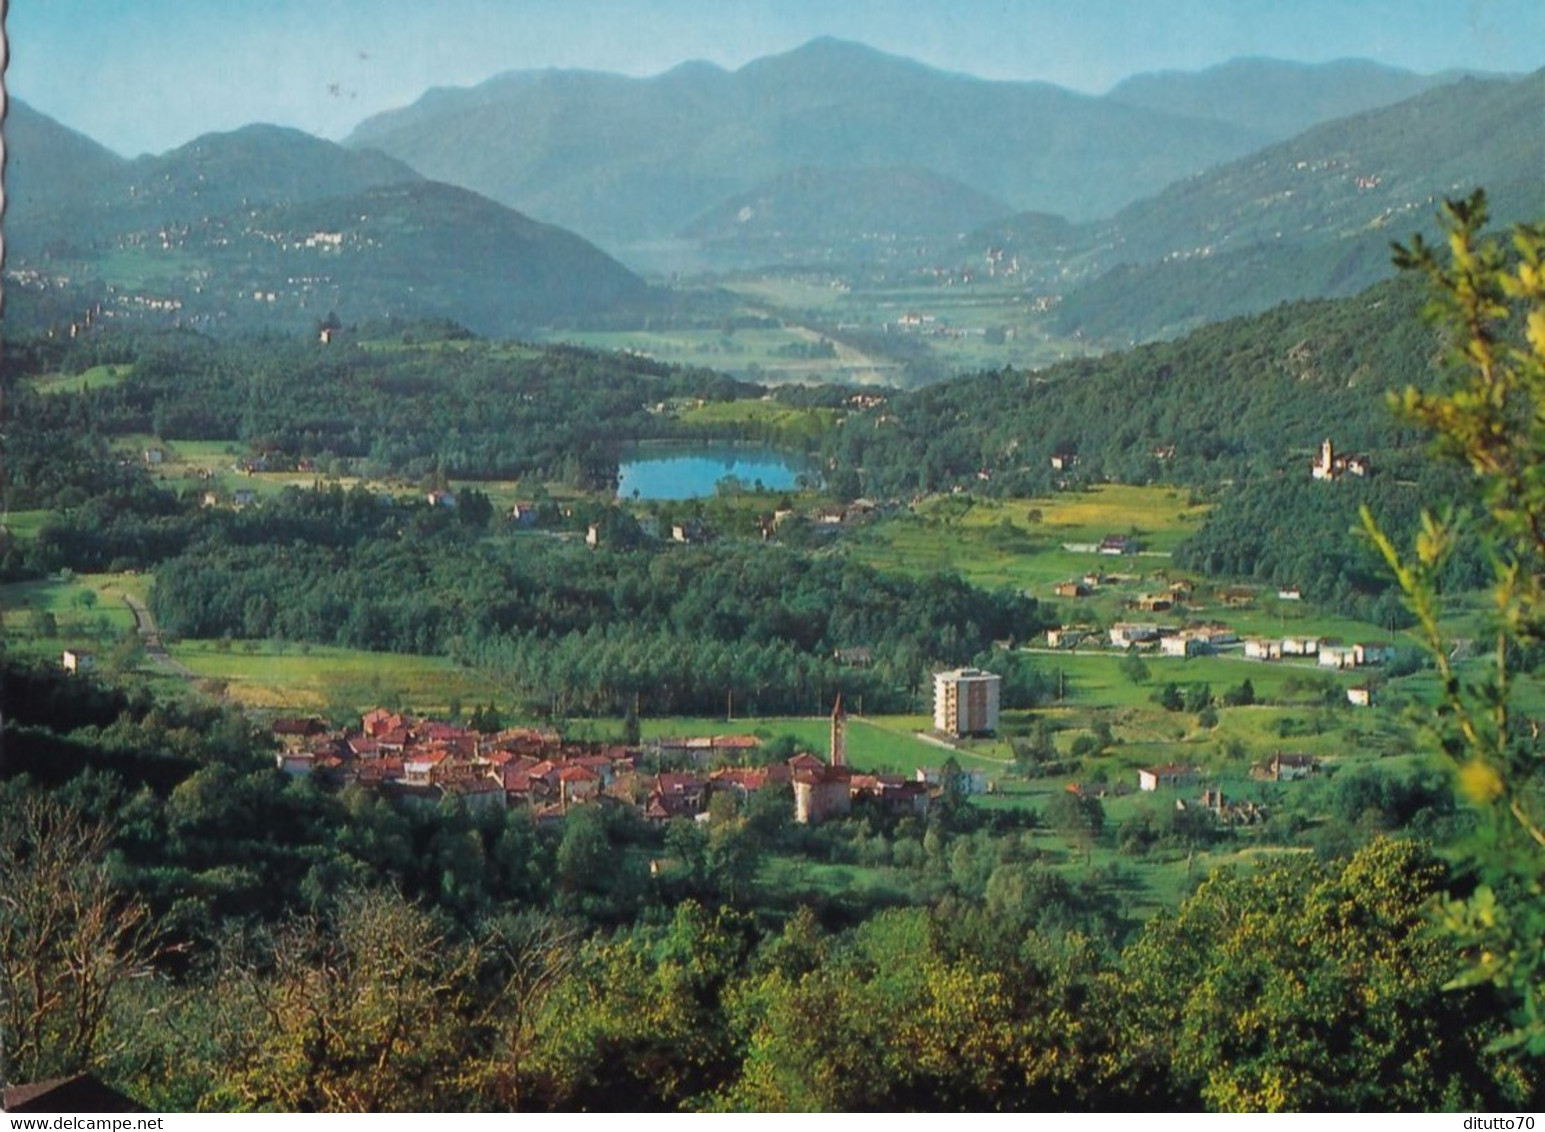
x: 1124, y: 634
x: 1153, y: 777
x: 973, y: 780
x: 77, y: 662
x: 296, y: 764
x: 1182, y: 645
x: 1285, y: 768
x: 1260, y: 648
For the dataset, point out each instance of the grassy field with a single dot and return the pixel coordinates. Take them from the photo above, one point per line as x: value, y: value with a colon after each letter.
x: 1019, y: 542
x: 959, y: 317
x: 880, y: 743
x: 87, y: 610
x: 1095, y: 678
x: 97, y: 377
x: 318, y: 678
x: 214, y: 465
x: 791, y: 426
x: 26, y: 524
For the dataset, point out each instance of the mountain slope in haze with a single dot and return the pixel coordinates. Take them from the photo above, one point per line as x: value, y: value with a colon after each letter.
x: 429, y: 250
x: 267, y: 226
x: 625, y: 160
x: 1312, y: 216
x: 1364, y: 171
x: 630, y: 161
x: 70, y: 189
x: 1274, y: 97
x: 255, y: 165
x: 845, y: 214
x: 51, y: 173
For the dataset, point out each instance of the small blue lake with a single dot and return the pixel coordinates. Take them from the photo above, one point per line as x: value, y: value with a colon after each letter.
x: 694, y: 472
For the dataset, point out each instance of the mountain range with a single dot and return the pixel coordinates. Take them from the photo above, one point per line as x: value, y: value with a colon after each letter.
x: 632, y: 162
x: 1171, y: 201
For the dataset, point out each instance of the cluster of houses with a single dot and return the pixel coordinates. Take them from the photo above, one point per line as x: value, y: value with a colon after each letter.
x: 1194, y: 640
x: 426, y: 762
x: 1176, y: 776
x: 1204, y: 638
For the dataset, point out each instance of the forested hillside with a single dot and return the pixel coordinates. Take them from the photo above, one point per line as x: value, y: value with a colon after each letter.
x: 1249, y: 396
x: 405, y: 400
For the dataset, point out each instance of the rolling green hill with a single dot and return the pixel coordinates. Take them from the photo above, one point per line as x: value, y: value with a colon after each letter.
x: 255, y: 165
x: 270, y: 227
x: 1250, y: 396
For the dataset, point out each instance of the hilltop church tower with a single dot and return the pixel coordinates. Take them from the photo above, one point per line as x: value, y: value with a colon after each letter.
x: 839, y: 743
x: 1325, y: 467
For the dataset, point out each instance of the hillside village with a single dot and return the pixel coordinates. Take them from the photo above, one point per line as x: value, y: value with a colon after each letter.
x: 427, y: 762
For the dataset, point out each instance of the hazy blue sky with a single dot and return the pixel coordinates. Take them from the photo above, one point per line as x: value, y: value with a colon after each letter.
x: 146, y: 75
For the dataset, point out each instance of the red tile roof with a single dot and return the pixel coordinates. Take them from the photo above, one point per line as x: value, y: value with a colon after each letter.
x: 679, y: 784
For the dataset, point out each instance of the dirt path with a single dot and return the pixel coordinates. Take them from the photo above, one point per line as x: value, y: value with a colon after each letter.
x: 150, y: 636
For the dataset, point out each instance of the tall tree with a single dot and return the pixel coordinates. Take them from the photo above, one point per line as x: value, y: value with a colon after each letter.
x: 68, y: 939
x: 1491, y: 298
x: 374, y: 1009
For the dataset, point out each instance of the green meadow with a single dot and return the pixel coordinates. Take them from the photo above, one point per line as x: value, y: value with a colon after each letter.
x: 884, y: 743
x: 788, y: 425
x: 97, y: 377
x: 86, y: 611
x: 1021, y: 542
x: 284, y: 675
x: 25, y: 524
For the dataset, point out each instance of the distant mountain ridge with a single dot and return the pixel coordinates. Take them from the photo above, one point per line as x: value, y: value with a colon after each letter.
x: 268, y: 226
x: 626, y: 161
x: 1309, y: 217
x: 1276, y: 97
x: 51, y: 173
x: 632, y: 159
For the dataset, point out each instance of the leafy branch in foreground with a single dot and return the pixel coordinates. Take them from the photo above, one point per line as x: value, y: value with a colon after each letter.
x: 1491, y: 297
